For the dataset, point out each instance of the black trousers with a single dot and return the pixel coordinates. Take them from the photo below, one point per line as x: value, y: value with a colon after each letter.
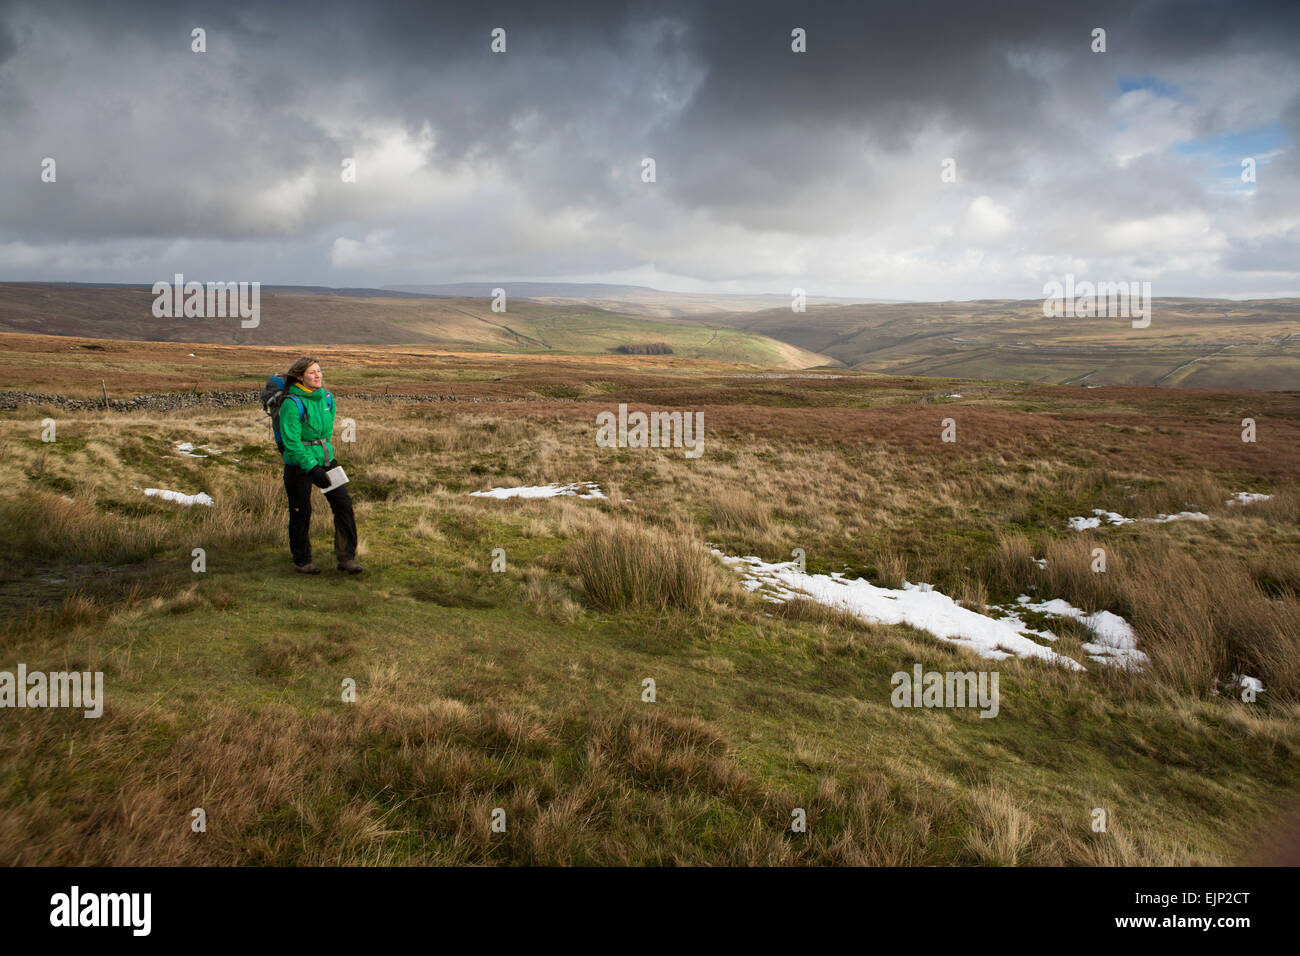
x: 298, y: 486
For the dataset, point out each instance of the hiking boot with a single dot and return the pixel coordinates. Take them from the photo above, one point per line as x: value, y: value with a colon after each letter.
x: 350, y: 566
x: 307, y: 568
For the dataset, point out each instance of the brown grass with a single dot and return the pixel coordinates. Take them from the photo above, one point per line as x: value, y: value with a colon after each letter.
x: 624, y: 565
x: 738, y: 511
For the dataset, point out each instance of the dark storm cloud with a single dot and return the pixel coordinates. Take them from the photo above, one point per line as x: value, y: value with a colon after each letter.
x: 7, y: 45
x: 158, y: 146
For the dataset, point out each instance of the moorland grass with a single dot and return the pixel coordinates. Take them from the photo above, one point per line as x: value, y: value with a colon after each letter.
x: 522, y: 689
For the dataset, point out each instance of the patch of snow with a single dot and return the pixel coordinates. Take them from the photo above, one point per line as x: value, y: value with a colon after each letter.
x: 1041, y: 562
x: 1083, y: 524
x: 1247, y: 497
x: 579, y: 489
x: 191, y: 355
x: 202, y: 498
x: 918, y: 605
x: 190, y: 450
x: 1181, y: 516
x: 1115, y: 642
x: 926, y: 609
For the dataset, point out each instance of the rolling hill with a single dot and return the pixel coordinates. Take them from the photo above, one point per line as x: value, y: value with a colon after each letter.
x: 296, y: 318
x: 634, y: 299
x: 1200, y: 343
x: 1195, y: 343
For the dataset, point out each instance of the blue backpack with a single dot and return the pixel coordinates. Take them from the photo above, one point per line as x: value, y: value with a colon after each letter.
x: 273, y: 395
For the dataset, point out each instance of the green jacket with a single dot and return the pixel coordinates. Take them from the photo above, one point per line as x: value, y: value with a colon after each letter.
x: 318, y: 424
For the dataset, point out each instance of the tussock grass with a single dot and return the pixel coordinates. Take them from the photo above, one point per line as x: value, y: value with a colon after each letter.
x: 1198, y: 491
x: 1003, y: 832
x: 1069, y: 572
x: 1199, y: 616
x: 972, y: 592
x: 892, y: 569
x: 625, y: 565
x: 550, y: 598
x: 1202, y: 618
x: 374, y: 444
x: 1283, y: 508
x: 738, y: 511
x: 426, y: 528
x: 43, y: 527
x: 1012, y: 565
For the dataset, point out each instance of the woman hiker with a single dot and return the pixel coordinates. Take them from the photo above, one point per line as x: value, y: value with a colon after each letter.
x: 306, y: 423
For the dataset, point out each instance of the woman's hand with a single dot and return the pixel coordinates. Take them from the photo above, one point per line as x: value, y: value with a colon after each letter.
x: 318, y: 477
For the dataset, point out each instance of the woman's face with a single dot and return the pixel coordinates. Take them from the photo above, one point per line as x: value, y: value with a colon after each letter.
x: 312, y: 377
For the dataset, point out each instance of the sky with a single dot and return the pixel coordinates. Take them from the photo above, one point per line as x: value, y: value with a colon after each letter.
x: 773, y: 169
